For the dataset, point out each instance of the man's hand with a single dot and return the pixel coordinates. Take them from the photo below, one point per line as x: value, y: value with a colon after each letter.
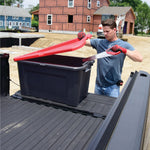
x: 117, y: 48
x: 81, y: 35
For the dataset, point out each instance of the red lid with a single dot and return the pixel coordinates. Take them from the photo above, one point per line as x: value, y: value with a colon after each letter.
x: 70, y: 45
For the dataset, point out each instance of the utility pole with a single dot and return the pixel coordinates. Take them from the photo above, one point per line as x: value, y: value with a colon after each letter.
x: 5, y: 13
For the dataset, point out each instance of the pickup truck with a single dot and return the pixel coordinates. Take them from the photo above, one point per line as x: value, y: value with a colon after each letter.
x: 100, y: 33
x: 97, y: 123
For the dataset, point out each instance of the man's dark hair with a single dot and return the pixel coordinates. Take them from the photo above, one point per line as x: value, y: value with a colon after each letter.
x: 109, y: 22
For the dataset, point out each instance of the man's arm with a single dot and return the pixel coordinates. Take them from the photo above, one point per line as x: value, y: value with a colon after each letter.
x: 134, y: 55
x: 88, y: 43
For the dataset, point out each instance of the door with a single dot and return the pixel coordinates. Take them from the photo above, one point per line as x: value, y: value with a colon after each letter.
x: 125, y: 28
x: 131, y: 28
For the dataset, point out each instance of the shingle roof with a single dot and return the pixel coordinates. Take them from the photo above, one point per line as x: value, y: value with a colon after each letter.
x: 13, y: 11
x: 105, y: 10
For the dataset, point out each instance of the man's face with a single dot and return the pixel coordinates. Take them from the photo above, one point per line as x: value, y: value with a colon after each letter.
x: 110, y: 34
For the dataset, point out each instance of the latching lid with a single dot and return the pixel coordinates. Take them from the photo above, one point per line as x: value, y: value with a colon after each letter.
x: 70, y: 45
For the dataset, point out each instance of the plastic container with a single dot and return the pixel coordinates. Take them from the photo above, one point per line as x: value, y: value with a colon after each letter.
x: 4, y: 75
x: 57, y: 78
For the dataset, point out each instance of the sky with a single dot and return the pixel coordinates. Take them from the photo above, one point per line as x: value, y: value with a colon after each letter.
x: 147, y: 1
x: 26, y: 3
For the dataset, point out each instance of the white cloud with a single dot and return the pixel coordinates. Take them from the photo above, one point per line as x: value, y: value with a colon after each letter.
x: 26, y: 3
x: 147, y: 1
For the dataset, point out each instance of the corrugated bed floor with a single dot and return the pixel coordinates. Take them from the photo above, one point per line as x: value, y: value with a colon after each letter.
x: 34, y: 125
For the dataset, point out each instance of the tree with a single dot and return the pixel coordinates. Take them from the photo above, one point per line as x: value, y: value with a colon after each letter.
x: 19, y: 3
x: 133, y: 3
x: 148, y: 24
x: 35, y: 20
x: 8, y: 2
x: 1, y: 2
x: 143, y: 16
x: 11, y: 2
x: 35, y: 8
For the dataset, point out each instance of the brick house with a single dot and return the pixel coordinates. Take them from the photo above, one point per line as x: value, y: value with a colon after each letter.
x: 115, y: 12
x: 78, y: 15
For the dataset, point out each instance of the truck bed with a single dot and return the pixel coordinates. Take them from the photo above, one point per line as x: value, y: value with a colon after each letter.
x: 98, y: 122
x: 36, y: 125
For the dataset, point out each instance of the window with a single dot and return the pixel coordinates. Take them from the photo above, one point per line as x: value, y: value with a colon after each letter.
x: 15, y: 17
x: 14, y: 23
x: 1, y: 23
x: 88, y: 18
x: 19, y: 24
x: 89, y: 4
x: 23, y: 24
x: 70, y: 3
x: 23, y: 18
x: 70, y: 18
x: 49, y: 19
x: 10, y: 24
x: 105, y: 17
x: 28, y: 24
x: 98, y: 3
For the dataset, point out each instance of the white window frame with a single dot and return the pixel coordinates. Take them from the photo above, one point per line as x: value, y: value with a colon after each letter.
x: 13, y: 23
x: 20, y: 24
x: 88, y: 18
x: 17, y: 23
x: 89, y: 4
x: 50, y: 18
x: 27, y: 24
x: 98, y: 3
x: 23, y: 18
x: 1, y: 23
x: 10, y: 24
x: 23, y: 24
x: 7, y: 23
x: 70, y: 3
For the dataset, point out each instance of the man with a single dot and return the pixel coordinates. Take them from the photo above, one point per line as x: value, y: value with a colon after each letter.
x: 109, y: 69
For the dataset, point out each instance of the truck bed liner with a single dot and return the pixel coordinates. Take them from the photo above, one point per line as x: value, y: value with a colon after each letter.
x: 28, y: 123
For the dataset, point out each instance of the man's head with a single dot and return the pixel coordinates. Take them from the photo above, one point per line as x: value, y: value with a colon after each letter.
x: 109, y: 22
x: 109, y: 29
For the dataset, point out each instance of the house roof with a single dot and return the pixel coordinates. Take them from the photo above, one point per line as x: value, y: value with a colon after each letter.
x: 108, y: 2
x: 36, y: 12
x: 106, y: 10
x: 13, y: 11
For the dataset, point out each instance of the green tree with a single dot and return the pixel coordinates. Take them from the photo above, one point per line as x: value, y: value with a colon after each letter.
x: 8, y: 2
x: 143, y: 16
x: 35, y: 20
x: 19, y: 2
x: 35, y: 8
x: 133, y: 3
x: 148, y: 24
x: 1, y: 2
